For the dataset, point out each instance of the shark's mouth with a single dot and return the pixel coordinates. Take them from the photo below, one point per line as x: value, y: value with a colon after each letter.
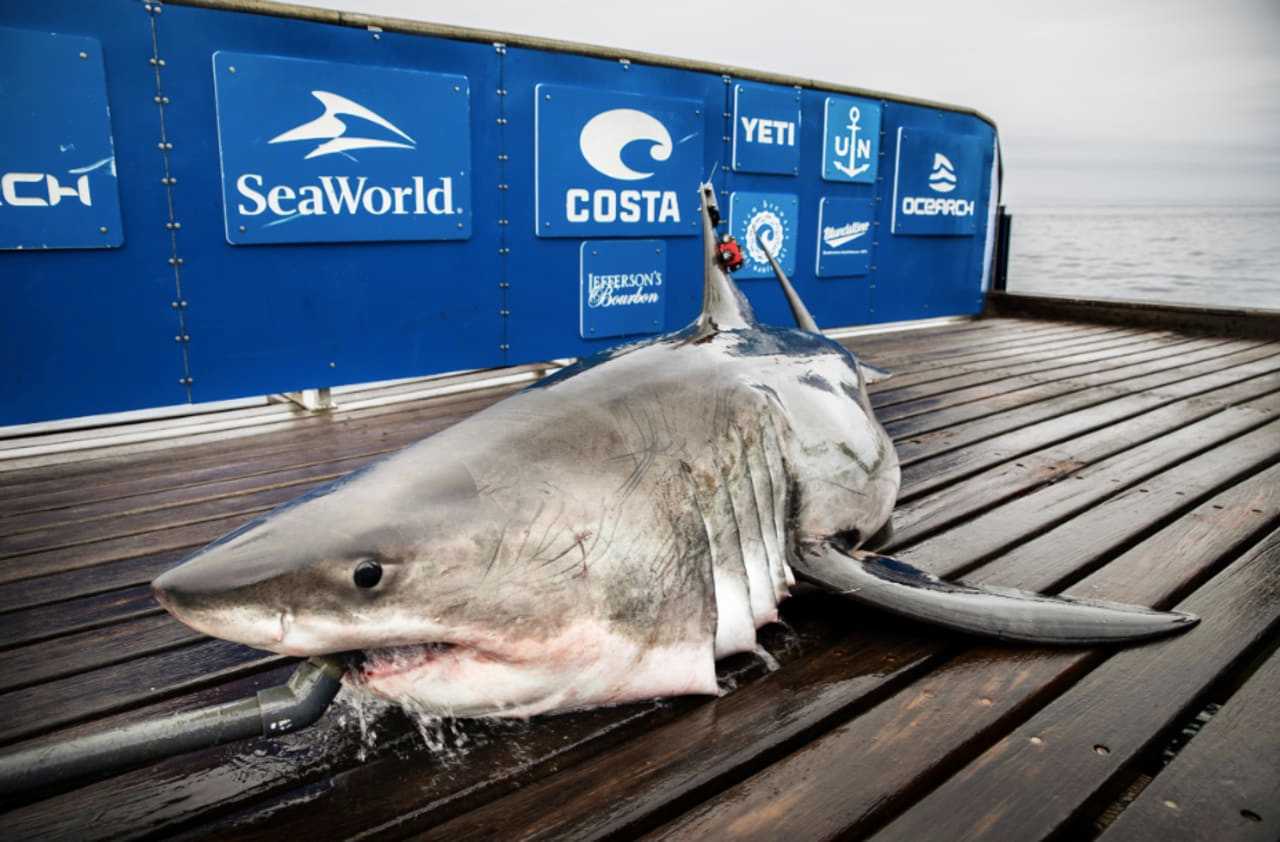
x: 379, y: 664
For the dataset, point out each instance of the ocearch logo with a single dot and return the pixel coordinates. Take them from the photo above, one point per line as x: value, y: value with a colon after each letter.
x: 943, y: 177
x: 602, y: 141
x: 343, y: 194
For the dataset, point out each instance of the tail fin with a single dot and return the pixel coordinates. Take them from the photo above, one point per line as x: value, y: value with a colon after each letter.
x: 1004, y: 614
x: 803, y: 319
x: 723, y: 304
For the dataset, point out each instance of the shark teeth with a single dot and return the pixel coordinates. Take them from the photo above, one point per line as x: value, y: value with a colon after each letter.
x: 390, y: 660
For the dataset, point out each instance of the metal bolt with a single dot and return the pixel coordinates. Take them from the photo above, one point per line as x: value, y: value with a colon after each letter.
x: 504, y: 221
x: 102, y: 229
x: 502, y: 91
x: 502, y: 121
x: 502, y: 187
x: 243, y: 229
x: 503, y: 347
x: 333, y: 365
x: 499, y: 48
x: 231, y: 69
x: 84, y: 54
x: 546, y: 225
x: 457, y: 88
x: 503, y: 285
x: 460, y: 225
x: 502, y: 156
x: 697, y: 112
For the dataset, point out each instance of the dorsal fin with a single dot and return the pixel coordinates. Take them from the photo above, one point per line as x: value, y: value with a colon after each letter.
x: 803, y: 319
x: 724, y: 306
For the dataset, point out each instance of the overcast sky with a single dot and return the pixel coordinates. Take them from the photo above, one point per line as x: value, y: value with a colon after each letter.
x: 1141, y: 101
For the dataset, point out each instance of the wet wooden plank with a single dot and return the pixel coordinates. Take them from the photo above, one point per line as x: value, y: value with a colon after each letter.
x: 77, y: 652
x: 69, y: 616
x: 214, y: 450
x: 900, y: 748
x: 1083, y: 739
x: 92, y: 580
x: 932, y: 461
x: 1223, y: 785
x: 1066, y: 480
x: 926, y: 381
x: 929, y: 413
x: 64, y: 701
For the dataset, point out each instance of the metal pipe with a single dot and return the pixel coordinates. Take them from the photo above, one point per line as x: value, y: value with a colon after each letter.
x: 275, y: 710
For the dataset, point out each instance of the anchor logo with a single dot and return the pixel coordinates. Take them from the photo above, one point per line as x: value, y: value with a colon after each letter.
x: 853, y: 148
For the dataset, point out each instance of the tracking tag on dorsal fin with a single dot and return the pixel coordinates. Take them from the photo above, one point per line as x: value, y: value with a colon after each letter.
x: 724, y: 307
x: 804, y: 320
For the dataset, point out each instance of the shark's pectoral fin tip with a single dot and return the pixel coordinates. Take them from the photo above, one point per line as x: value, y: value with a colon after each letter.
x: 898, y: 587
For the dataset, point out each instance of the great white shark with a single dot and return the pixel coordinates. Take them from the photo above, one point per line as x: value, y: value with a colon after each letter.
x: 606, y: 534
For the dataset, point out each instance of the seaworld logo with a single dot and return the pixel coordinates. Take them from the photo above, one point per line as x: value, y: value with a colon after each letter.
x: 330, y: 128
x: 344, y: 194
x: 601, y: 142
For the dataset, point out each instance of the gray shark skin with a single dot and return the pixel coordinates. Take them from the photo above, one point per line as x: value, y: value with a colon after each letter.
x: 606, y: 534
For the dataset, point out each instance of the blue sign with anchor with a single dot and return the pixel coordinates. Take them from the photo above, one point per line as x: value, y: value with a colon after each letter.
x: 623, y: 288
x: 614, y: 163
x: 770, y: 217
x: 57, y: 161
x: 315, y: 151
x: 766, y: 129
x: 850, y: 140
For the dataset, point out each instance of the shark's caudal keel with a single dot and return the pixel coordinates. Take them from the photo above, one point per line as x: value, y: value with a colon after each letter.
x: 605, y: 535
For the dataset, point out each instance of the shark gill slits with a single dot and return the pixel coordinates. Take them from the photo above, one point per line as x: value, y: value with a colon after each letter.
x: 368, y: 574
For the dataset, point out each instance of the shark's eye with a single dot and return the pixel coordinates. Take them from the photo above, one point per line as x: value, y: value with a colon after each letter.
x: 368, y: 573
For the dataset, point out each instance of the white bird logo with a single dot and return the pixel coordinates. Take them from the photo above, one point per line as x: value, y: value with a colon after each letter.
x: 605, y: 136
x: 330, y: 128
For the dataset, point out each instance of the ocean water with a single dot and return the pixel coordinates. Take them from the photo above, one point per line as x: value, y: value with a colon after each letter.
x: 1215, y: 256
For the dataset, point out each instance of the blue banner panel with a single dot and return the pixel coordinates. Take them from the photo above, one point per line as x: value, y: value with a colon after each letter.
x: 319, y: 151
x: 623, y: 287
x: 844, y: 236
x: 57, y: 160
x: 615, y: 163
x: 770, y: 217
x: 937, y: 183
x: 766, y: 129
x: 850, y: 139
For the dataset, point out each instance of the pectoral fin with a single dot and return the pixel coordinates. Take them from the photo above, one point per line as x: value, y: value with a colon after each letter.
x: 991, y: 612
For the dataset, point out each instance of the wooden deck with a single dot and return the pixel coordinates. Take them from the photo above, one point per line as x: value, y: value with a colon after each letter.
x: 1125, y: 463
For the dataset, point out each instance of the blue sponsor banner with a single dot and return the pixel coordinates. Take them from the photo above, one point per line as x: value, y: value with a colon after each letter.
x: 57, y: 162
x: 316, y: 151
x: 850, y: 139
x: 845, y: 234
x: 936, y: 183
x: 623, y: 287
x: 616, y: 164
x: 771, y: 217
x: 766, y: 129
